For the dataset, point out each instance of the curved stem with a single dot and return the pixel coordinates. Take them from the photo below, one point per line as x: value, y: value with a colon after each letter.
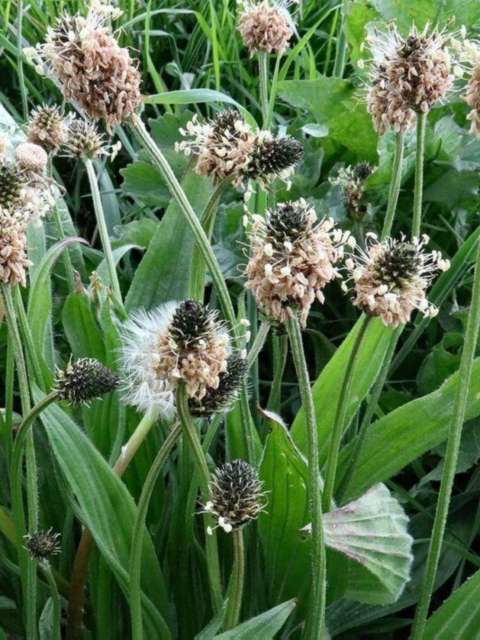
x: 197, y: 275
x: 316, y: 609
x: 395, y: 183
x: 135, y: 594
x: 451, y: 456
x: 340, y: 417
x: 237, y: 579
x: 27, y: 564
x: 192, y: 219
x: 102, y: 229
x: 76, y: 599
x: 191, y: 435
x: 56, y: 613
x: 419, y: 162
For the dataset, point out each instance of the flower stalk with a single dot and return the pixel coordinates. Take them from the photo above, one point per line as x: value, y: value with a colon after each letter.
x: 451, y: 456
x: 237, y: 579
x: 419, y: 166
x: 395, y: 183
x: 316, y: 608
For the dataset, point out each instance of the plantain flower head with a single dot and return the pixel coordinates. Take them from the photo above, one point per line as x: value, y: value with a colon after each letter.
x: 13, y: 249
x: 351, y: 181
x: 42, y: 544
x: 292, y: 258
x: 226, y: 147
x: 47, y: 127
x: 177, y: 342
x: 235, y: 497
x: 84, y: 380
x: 407, y: 75
x: 220, y: 399
x: 265, y: 26
x: 85, y: 141
x: 31, y: 157
x: 391, y: 278
x: 83, y: 57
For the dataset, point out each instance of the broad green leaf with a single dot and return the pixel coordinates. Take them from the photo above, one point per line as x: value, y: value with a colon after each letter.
x: 459, y: 616
x: 164, y: 272
x: 39, y: 302
x: 108, y: 510
x: 327, y: 387
x: 372, y: 533
x: 117, y: 254
x: 264, y: 626
x: 334, y: 104
x: 284, y: 474
x: 142, y: 180
x: 420, y: 12
x: 405, y: 434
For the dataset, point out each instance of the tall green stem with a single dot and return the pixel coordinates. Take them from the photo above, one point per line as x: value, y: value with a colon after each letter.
x: 419, y: 162
x: 263, y: 73
x: 237, y: 579
x: 27, y: 564
x: 136, y: 549
x: 76, y: 599
x: 451, y: 455
x: 341, y: 50
x: 316, y: 608
x: 191, y: 217
x: 395, y: 183
x: 340, y: 417
x: 197, y: 275
x: 191, y: 435
x: 102, y: 229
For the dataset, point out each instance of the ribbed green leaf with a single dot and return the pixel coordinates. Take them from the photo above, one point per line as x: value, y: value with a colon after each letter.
x: 459, y: 616
x: 405, y: 434
x: 108, y: 510
x: 264, y: 626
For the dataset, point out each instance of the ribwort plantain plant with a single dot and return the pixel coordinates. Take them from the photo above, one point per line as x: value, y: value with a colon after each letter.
x: 239, y: 397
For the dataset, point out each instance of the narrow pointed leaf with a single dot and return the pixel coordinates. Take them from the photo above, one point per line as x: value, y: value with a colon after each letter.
x: 264, y: 626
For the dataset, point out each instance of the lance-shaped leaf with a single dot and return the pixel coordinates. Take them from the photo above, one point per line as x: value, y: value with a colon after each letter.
x: 372, y: 533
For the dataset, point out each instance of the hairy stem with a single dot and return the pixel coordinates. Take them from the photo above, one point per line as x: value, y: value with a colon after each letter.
x: 263, y: 73
x: 316, y: 609
x: 340, y: 417
x: 136, y: 549
x: 200, y: 461
x: 451, y: 456
x: 395, y: 183
x: 237, y: 579
x: 419, y: 162
x: 56, y: 608
x: 103, y: 230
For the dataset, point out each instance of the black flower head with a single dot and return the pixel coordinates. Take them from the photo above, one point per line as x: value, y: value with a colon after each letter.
x: 42, y: 544
x: 12, y: 184
x: 84, y: 380
x: 273, y: 157
x: 220, y: 399
x: 362, y: 170
x: 236, y: 495
x: 191, y: 322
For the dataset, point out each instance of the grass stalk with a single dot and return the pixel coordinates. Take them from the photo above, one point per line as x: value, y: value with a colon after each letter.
x: 395, y: 183
x: 316, y: 608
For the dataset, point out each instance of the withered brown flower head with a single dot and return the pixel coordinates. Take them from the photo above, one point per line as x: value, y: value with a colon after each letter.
x: 292, y: 258
x: 351, y: 182
x: 42, y: 544
x: 221, y: 145
x: 264, y: 27
x: 472, y: 98
x: 13, y: 249
x: 47, y: 127
x: 94, y: 72
x: 31, y: 157
x: 407, y: 76
x: 177, y: 342
x: 220, y: 399
x: 236, y: 496
x: 391, y: 278
x: 84, y: 140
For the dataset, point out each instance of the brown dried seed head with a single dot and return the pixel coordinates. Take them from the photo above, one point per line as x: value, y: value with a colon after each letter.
x: 47, y: 127
x: 264, y: 27
x: 13, y: 250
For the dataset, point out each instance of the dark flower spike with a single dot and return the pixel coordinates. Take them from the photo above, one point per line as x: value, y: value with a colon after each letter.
x: 42, y: 544
x: 273, y: 157
x: 236, y: 496
x: 221, y: 399
x: 12, y: 185
x: 84, y: 380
